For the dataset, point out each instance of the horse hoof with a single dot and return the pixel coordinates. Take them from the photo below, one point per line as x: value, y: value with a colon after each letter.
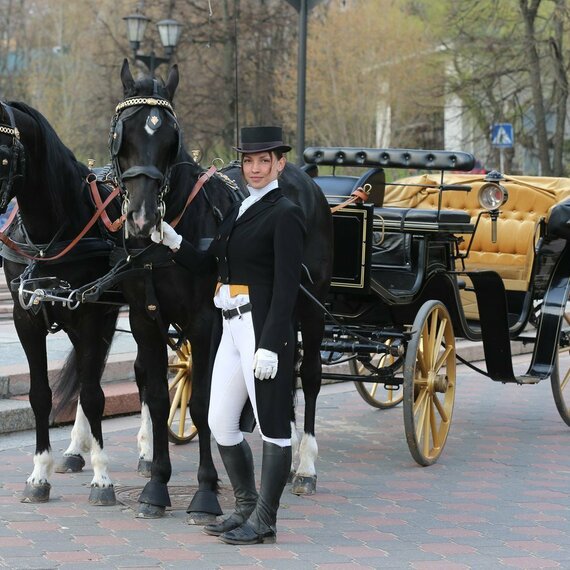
x: 148, y: 511
x: 36, y: 493
x: 102, y: 496
x: 70, y: 464
x: 143, y: 468
x: 201, y: 519
x: 304, y: 485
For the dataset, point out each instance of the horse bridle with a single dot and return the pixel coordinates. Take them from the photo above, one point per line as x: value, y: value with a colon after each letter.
x: 12, y: 158
x: 124, y: 110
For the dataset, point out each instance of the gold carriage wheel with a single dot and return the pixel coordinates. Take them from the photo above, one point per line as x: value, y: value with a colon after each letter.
x: 181, y: 429
x: 429, y: 383
x: 375, y: 393
x: 560, y: 377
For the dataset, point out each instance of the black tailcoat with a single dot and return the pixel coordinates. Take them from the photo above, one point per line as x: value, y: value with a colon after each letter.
x: 264, y: 249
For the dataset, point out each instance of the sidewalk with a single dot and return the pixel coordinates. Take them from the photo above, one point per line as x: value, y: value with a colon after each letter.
x: 497, y: 498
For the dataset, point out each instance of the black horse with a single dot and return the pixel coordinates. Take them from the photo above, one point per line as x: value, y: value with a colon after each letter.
x: 161, y: 181
x: 54, y: 209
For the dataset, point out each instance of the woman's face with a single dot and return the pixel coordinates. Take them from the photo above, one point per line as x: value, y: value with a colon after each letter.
x: 261, y: 168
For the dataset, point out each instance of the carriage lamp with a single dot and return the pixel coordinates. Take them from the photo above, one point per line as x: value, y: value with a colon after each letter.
x: 168, y: 30
x: 492, y: 196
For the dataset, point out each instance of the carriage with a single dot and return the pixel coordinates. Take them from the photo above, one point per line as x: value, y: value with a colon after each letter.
x: 435, y: 257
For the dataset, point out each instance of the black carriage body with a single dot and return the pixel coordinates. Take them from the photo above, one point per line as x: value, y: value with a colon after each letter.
x: 389, y: 261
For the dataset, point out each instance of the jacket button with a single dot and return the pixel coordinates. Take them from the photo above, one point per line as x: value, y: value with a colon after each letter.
x: 217, y: 258
x: 285, y: 344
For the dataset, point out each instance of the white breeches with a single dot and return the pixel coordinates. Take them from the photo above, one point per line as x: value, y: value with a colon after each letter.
x: 233, y: 382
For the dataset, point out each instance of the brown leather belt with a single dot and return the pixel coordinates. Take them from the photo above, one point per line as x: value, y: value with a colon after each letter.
x: 238, y: 311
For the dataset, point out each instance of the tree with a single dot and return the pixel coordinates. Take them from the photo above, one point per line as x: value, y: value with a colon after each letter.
x: 511, y: 65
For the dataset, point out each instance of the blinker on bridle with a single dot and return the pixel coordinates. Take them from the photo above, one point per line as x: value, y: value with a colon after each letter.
x: 13, y: 158
x: 130, y: 107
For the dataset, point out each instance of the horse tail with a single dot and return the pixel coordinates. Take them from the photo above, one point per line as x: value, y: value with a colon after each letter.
x: 67, y: 384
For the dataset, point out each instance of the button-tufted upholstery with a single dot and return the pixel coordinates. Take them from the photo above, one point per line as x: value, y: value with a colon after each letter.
x: 530, y: 199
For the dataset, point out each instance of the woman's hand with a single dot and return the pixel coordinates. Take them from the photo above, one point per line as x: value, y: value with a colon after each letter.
x: 265, y: 364
x: 170, y: 238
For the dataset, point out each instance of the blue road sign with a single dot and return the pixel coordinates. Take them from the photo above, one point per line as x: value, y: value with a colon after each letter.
x: 502, y: 135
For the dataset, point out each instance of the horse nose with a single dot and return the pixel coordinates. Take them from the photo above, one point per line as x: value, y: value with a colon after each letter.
x: 140, y: 222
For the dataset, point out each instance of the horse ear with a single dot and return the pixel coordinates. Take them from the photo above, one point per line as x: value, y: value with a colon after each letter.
x: 127, y: 77
x: 172, y: 81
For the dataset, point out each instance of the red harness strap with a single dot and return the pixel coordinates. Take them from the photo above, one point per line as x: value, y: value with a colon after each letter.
x: 111, y: 226
x: 100, y: 209
x: 359, y: 195
x: 202, y: 179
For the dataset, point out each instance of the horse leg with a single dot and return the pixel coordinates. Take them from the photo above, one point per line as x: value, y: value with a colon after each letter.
x: 153, y: 359
x: 144, y: 442
x: 72, y: 460
x: 91, y: 344
x: 305, y: 479
x: 33, y: 339
x: 204, y: 506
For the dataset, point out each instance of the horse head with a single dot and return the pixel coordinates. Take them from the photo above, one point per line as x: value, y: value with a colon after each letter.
x: 145, y: 140
x: 12, y: 156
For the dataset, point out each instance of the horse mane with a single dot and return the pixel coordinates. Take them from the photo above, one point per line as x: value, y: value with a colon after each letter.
x: 59, y: 170
x: 146, y: 86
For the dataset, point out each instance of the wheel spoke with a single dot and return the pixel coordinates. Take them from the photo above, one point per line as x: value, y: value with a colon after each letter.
x: 184, y: 406
x: 421, y: 362
x: 426, y: 428
x: 422, y: 415
x: 438, y: 338
x: 440, y: 409
x: 175, y: 401
x: 174, y: 382
x: 434, y: 427
x: 419, y: 400
x: 442, y: 358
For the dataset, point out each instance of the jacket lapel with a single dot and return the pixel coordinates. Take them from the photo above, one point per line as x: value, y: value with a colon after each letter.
x: 267, y: 201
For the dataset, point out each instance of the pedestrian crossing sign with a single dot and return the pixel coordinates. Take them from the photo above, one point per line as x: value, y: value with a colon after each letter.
x: 502, y: 135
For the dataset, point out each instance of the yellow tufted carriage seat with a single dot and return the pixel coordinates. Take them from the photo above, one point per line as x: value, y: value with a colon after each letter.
x: 530, y: 200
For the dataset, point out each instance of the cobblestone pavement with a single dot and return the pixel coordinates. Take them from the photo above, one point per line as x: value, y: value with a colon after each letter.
x: 497, y: 498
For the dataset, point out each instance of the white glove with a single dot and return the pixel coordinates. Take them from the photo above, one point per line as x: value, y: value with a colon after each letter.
x: 171, y: 239
x: 265, y: 364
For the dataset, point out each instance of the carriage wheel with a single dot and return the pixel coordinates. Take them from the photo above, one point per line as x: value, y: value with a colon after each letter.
x: 560, y: 377
x: 181, y: 429
x: 429, y: 383
x: 374, y: 393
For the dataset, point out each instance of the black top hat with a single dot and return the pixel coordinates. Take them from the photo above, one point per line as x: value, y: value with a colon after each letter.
x: 261, y: 139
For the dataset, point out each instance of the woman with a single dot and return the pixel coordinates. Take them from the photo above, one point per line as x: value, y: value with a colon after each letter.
x: 258, y: 252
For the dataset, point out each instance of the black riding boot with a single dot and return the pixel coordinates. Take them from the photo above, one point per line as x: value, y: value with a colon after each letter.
x: 238, y: 462
x: 260, y: 527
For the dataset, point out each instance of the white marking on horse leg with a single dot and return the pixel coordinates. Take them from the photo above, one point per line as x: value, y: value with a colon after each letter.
x: 144, y: 437
x: 43, y: 468
x: 100, y: 463
x: 139, y: 218
x: 80, y: 434
x: 294, y: 444
x: 308, y: 453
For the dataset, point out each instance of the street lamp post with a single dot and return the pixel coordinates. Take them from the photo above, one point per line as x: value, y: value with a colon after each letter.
x: 303, y: 7
x: 169, y: 32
